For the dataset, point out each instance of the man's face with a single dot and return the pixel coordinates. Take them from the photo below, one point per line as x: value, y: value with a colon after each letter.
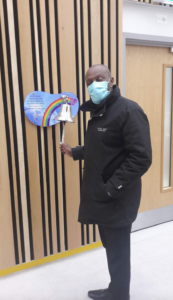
x: 98, y: 73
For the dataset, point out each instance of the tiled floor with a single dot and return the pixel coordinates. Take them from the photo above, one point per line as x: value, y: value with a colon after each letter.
x: 71, y: 278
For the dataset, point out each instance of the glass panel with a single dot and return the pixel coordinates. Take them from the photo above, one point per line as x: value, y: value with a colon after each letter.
x: 167, y: 128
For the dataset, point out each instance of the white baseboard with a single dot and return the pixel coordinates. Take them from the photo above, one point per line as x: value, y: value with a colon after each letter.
x: 153, y: 217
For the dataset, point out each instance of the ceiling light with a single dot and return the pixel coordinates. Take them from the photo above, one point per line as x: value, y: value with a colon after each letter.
x: 164, y: 1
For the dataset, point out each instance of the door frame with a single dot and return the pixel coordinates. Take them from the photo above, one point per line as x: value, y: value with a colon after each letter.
x: 164, y: 214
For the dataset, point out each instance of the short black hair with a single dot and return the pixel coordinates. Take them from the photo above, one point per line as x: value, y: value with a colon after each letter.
x: 107, y: 69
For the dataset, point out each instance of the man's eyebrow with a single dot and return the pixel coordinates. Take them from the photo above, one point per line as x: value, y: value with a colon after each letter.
x: 99, y: 74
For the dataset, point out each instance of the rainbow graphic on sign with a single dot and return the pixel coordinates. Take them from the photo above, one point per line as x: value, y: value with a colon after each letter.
x: 41, y: 107
x: 50, y: 110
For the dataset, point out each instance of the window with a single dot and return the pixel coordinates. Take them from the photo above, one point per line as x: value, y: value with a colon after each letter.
x: 167, y: 130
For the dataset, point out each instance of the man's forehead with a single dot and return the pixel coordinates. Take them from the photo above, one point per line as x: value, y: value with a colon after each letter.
x: 96, y: 71
x: 95, y: 74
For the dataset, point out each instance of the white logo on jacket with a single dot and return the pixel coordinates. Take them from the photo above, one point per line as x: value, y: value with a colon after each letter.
x: 101, y: 129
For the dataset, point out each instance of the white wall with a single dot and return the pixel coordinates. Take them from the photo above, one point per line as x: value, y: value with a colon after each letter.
x: 142, y: 18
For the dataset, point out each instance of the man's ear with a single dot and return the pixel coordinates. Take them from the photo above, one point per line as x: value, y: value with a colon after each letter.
x: 112, y: 81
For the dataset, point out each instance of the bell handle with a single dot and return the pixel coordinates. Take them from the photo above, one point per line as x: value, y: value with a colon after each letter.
x: 63, y: 133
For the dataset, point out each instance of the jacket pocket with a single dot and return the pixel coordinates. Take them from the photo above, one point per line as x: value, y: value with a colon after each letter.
x: 102, y: 192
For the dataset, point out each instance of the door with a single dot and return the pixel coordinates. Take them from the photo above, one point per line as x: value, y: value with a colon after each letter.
x: 145, y: 85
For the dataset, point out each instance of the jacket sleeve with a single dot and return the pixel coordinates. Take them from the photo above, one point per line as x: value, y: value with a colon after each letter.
x: 78, y: 153
x: 136, y: 135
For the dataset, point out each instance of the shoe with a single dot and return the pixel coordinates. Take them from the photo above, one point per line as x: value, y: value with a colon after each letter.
x: 100, y: 295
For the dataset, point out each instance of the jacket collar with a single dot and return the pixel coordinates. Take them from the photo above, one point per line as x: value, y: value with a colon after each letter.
x: 96, y: 110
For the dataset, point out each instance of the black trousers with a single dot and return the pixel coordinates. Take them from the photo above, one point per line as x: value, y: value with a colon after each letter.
x: 117, y: 244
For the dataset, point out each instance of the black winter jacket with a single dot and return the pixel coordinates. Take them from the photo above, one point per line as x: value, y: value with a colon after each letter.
x: 116, y: 152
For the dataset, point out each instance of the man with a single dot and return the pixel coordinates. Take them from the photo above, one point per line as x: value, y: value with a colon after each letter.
x: 117, y: 152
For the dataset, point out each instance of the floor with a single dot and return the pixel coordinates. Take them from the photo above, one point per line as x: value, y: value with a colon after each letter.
x: 72, y: 277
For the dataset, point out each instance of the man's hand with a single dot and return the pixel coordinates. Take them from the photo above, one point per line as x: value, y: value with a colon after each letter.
x: 65, y: 149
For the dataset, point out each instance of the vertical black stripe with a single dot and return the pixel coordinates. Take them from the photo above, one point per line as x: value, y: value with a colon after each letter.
x: 49, y: 46
x: 45, y: 130
x: 87, y: 234
x: 109, y: 36
x: 89, y: 32
x: 83, y: 63
x: 42, y: 191
x: 48, y: 190
x: 14, y: 130
x: 33, y: 45
x: 117, y: 42
x: 82, y: 235
x: 16, y: 26
x: 77, y: 65
x: 57, y: 46
x: 56, y: 189
x: 53, y: 129
x: 78, y: 95
x: 83, y: 88
x: 94, y: 233
x: 90, y: 64
x: 83, y: 94
x: 101, y: 32
x: 42, y: 83
x: 7, y: 131
x: 40, y: 45
x: 38, y: 131
x: 62, y: 156
x: 64, y: 195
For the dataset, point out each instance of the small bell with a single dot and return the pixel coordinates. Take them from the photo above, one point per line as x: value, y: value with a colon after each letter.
x: 65, y: 112
x: 64, y: 115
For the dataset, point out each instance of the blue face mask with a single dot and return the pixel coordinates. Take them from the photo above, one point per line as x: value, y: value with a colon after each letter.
x: 98, y: 91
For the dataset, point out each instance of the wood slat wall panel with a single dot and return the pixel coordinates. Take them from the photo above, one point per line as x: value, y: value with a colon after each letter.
x: 7, y: 255
x: 86, y: 116
x: 113, y: 41
x: 31, y: 130
x: 79, y: 39
x: 68, y: 77
x: 58, y: 138
x: 120, y: 43
x: 46, y: 132
x: 40, y: 132
x: 54, y: 89
x: 19, y: 128
x: 95, y: 10
x: 60, y: 192
x: 105, y: 33
x: 95, y: 32
x: 10, y: 129
x: 86, y: 48
x: 44, y: 51
x: 50, y: 162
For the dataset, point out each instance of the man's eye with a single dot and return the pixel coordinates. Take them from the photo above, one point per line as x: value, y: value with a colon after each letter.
x: 99, y: 79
